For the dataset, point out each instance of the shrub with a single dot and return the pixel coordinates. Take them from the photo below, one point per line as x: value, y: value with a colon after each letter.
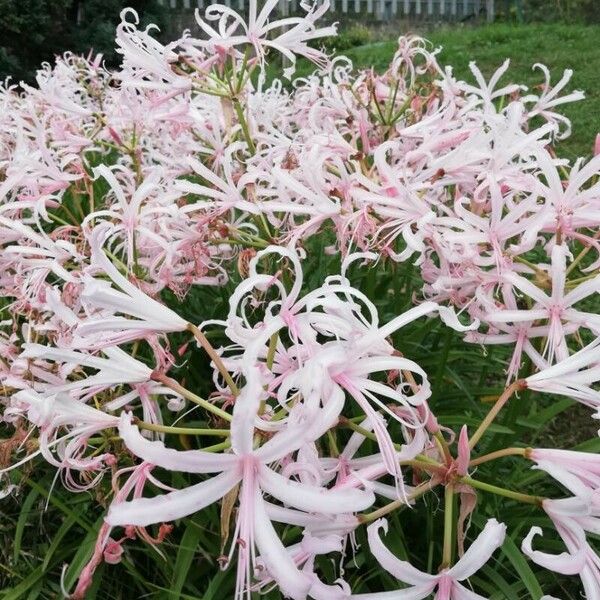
x: 283, y: 317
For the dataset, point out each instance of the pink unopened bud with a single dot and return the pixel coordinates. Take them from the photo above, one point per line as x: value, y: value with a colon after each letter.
x: 464, y: 452
x: 115, y: 136
x: 431, y: 422
x: 597, y: 145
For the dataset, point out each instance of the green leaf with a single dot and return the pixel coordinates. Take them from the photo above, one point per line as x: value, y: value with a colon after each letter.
x: 523, y: 569
x: 58, y: 536
x: 185, y: 556
x: 543, y: 417
x: 22, y: 521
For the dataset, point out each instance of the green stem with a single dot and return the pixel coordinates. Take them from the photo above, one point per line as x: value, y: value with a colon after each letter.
x: 272, y: 349
x: 388, y: 508
x: 581, y: 256
x: 488, y: 487
x: 182, y: 430
x: 499, y: 454
x: 177, y: 387
x: 214, y: 357
x: 502, y: 400
x: 439, y: 437
x: 218, y: 447
x: 333, y: 447
x: 575, y: 282
x: 448, y: 526
x: 244, y: 124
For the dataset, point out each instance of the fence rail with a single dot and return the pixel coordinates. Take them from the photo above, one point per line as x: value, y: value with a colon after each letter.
x: 381, y: 10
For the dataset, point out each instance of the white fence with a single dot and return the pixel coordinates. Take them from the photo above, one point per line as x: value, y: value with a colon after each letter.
x: 381, y: 10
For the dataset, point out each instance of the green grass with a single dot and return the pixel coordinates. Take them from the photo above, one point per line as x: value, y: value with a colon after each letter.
x: 557, y: 46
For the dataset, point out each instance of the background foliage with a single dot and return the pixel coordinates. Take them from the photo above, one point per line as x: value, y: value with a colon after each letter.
x: 33, y: 31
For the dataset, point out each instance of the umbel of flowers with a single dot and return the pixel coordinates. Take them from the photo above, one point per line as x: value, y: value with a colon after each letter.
x: 121, y: 190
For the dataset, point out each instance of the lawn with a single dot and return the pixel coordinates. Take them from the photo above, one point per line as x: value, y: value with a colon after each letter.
x: 557, y: 46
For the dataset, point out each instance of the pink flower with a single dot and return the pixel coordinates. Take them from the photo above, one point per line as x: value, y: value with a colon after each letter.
x: 579, y: 472
x: 549, y: 99
x: 447, y: 582
x: 117, y: 368
x: 102, y: 329
x: 249, y: 468
x: 556, y: 308
x: 295, y: 32
x: 572, y: 377
x: 146, y: 62
x: 572, y: 517
x: 56, y: 413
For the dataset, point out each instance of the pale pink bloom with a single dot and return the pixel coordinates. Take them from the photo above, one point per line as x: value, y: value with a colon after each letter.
x: 65, y: 425
x: 222, y: 193
x: 487, y: 90
x: 572, y: 517
x: 233, y: 31
x: 556, y: 308
x: 398, y: 201
x: 247, y: 466
x: 353, y: 350
x: 572, y: 204
x: 103, y: 329
x: 146, y: 62
x: 446, y: 584
x: 544, y: 104
x: 579, y: 472
x: 132, y: 208
x: 117, y: 368
x: 36, y: 250
x: 572, y: 377
x: 519, y: 335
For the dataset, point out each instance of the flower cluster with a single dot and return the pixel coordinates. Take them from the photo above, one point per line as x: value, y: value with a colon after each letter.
x: 124, y: 194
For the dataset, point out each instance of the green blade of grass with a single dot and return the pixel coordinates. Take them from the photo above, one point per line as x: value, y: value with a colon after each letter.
x: 185, y: 557
x: 516, y: 558
x: 22, y: 521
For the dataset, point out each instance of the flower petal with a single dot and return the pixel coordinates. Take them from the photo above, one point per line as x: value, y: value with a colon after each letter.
x: 480, y: 551
x: 564, y: 563
x: 400, y: 569
x: 281, y: 567
x: 187, y: 461
x: 175, y: 505
x: 312, y: 498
